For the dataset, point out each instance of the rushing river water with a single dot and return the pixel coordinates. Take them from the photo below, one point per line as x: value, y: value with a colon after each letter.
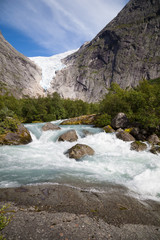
x: 43, y: 161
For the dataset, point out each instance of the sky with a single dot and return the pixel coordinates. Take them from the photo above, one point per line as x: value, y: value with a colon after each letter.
x: 48, y: 27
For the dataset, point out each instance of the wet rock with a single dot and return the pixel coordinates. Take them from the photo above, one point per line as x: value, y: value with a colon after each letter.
x: 153, y: 139
x: 18, y: 137
x: 108, y: 129
x: 125, y: 136
x: 86, y: 133
x: 79, y: 150
x: 138, y: 146
x: 50, y: 126
x: 138, y: 134
x: 119, y: 130
x: 155, y: 149
x: 70, y: 136
x: 120, y: 121
x: 135, y: 131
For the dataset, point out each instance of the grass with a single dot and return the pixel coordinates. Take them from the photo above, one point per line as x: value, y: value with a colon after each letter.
x: 155, y: 81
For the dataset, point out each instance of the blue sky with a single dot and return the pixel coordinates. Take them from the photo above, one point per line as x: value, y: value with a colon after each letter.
x: 47, y: 27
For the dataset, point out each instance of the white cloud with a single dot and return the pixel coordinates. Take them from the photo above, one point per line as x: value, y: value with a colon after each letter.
x: 59, y: 25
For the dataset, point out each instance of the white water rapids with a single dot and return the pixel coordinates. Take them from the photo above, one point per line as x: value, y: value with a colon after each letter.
x: 44, y: 161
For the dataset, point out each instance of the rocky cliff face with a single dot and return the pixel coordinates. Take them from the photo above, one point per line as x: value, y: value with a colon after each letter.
x: 18, y: 74
x: 125, y: 51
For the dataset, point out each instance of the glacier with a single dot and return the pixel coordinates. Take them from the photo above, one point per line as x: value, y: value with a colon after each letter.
x: 49, y: 66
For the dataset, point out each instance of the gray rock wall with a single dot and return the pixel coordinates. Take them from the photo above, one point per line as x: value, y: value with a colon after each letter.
x: 18, y: 73
x: 125, y: 51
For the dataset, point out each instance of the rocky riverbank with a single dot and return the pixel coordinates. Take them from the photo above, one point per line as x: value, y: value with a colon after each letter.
x: 65, y: 212
x: 124, y: 130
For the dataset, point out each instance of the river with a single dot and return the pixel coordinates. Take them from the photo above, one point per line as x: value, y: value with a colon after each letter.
x: 44, y: 161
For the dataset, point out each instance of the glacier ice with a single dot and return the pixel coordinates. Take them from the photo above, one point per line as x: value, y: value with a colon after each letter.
x: 49, y: 66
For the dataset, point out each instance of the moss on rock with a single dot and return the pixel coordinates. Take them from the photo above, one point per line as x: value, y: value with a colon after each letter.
x: 108, y: 129
x: 85, y: 119
x: 14, y: 133
x: 138, y: 146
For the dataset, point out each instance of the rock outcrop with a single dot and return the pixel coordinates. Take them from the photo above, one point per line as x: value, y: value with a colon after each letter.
x: 19, y: 137
x: 124, y: 52
x: 18, y: 74
x: 79, y: 150
x: 50, y: 126
x: 69, y: 136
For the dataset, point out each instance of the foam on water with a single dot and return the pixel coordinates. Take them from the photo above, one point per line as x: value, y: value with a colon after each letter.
x: 43, y: 160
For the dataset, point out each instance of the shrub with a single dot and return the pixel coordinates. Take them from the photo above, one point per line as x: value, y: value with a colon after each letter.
x: 103, y: 120
x: 8, y: 124
x: 5, y: 112
x: 4, y: 220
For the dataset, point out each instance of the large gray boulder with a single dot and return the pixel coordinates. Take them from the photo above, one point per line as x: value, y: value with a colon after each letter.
x: 50, y: 126
x: 138, y: 146
x: 79, y: 150
x: 120, y: 121
x: 125, y: 136
x: 70, y: 136
x: 153, y: 139
x: 19, y: 137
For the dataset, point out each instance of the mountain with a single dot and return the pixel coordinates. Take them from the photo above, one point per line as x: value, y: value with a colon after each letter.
x: 124, y: 52
x: 49, y: 66
x: 18, y: 74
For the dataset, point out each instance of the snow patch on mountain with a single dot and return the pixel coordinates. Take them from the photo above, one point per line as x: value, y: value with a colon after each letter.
x: 49, y: 66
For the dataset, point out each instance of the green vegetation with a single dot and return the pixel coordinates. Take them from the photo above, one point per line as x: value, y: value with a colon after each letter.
x: 103, y: 120
x: 43, y: 109
x: 4, y: 221
x: 8, y: 121
x: 155, y: 81
x: 141, y: 104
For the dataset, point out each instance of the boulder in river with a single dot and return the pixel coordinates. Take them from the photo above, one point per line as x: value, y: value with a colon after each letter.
x: 79, y: 150
x: 17, y: 137
x: 138, y: 134
x: 153, y: 139
x: 155, y: 150
x: 120, y: 121
x: 138, y: 146
x: 87, y: 133
x: 50, y: 126
x: 108, y: 129
x: 69, y: 136
x: 125, y: 136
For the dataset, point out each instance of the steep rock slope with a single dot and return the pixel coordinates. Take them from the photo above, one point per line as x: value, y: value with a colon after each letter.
x: 125, y: 51
x: 18, y: 74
